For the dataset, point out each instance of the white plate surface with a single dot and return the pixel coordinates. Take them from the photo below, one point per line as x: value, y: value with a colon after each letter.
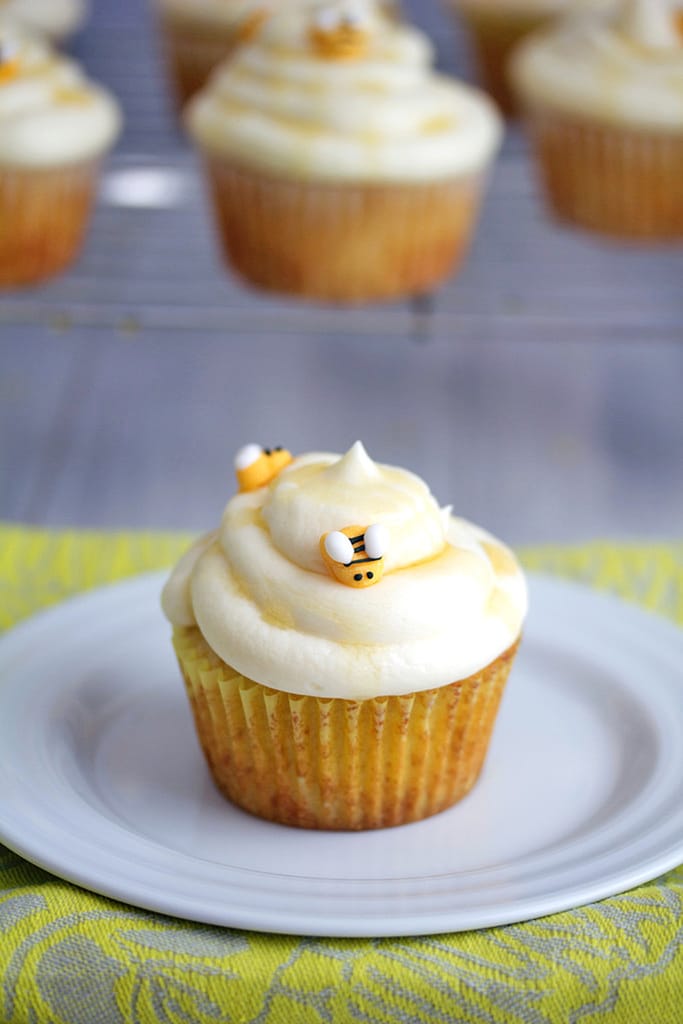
x: 102, y: 781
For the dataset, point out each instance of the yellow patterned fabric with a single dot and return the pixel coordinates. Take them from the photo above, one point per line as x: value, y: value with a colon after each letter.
x: 70, y: 957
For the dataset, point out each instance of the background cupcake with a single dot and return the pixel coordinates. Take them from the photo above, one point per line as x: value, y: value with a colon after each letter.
x: 199, y: 34
x: 497, y: 26
x: 55, y: 127
x: 341, y: 165
x: 603, y: 98
x: 335, y: 689
x: 56, y: 19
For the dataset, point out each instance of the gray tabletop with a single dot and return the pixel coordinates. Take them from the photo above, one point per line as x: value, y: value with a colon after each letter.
x: 539, y: 391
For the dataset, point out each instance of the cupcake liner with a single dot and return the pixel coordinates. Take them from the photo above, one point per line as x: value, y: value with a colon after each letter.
x: 192, y: 52
x: 346, y: 242
x: 328, y: 763
x: 44, y: 214
x: 613, y: 179
x: 494, y: 35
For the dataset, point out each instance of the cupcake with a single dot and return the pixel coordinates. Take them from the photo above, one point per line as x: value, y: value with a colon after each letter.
x: 55, y: 127
x: 497, y: 26
x: 341, y: 166
x: 56, y: 19
x: 344, y: 642
x: 603, y: 99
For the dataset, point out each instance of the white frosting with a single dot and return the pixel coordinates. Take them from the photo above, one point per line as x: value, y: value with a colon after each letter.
x: 49, y: 112
x: 54, y: 18
x: 281, y: 106
x: 625, y: 66
x: 259, y: 591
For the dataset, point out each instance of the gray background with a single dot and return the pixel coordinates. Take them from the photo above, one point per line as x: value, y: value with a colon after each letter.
x: 539, y: 391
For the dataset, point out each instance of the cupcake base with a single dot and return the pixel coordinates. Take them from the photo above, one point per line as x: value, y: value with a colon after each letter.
x: 619, y: 181
x: 344, y: 243
x: 44, y: 214
x: 339, y: 764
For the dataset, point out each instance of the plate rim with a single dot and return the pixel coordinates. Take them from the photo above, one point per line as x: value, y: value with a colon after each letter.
x: 274, y: 920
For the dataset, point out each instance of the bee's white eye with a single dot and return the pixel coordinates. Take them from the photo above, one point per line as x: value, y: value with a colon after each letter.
x: 376, y: 540
x: 248, y: 455
x: 339, y: 547
x: 356, y: 14
x: 8, y: 50
x: 327, y: 19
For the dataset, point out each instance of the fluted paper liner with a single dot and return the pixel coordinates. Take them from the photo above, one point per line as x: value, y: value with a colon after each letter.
x: 329, y: 763
x: 44, y: 214
x: 342, y: 242
x: 621, y: 181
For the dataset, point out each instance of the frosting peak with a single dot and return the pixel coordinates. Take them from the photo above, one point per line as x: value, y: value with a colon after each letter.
x: 450, y: 598
x: 323, y: 492
x: 356, y: 467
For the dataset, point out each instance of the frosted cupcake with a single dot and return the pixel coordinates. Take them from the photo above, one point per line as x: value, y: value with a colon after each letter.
x: 497, y: 26
x: 55, y: 127
x: 341, y: 166
x: 56, y: 19
x: 603, y: 97
x: 344, y: 641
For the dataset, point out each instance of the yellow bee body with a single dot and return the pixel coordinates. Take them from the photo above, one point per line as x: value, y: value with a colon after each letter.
x: 256, y: 466
x: 340, y: 31
x: 10, y: 63
x: 355, y: 554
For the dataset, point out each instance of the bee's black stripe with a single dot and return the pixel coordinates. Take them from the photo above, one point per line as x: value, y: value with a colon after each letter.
x: 354, y: 540
x: 358, y: 561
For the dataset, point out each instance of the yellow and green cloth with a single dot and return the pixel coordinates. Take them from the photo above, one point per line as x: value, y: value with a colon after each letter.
x: 68, y: 956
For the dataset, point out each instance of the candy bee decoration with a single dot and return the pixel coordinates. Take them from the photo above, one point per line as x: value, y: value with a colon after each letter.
x: 256, y: 466
x: 355, y: 554
x: 340, y: 31
x: 9, y: 61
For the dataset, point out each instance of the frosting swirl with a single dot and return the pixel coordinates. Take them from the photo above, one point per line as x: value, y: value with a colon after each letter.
x: 622, y: 66
x: 54, y: 18
x: 281, y: 105
x: 451, y: 600
x: 49, y: 112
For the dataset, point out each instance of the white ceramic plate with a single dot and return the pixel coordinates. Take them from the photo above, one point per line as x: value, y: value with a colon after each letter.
x: 102, y: 781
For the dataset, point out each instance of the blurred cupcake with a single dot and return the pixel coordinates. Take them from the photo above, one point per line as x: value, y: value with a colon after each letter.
x: 342, y: 167
x: 199, y: 34
x: 55, y: 127
x: 56, y: 19
x: 603, y: 96
x: 496, y: 26
x: 344, y: 641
